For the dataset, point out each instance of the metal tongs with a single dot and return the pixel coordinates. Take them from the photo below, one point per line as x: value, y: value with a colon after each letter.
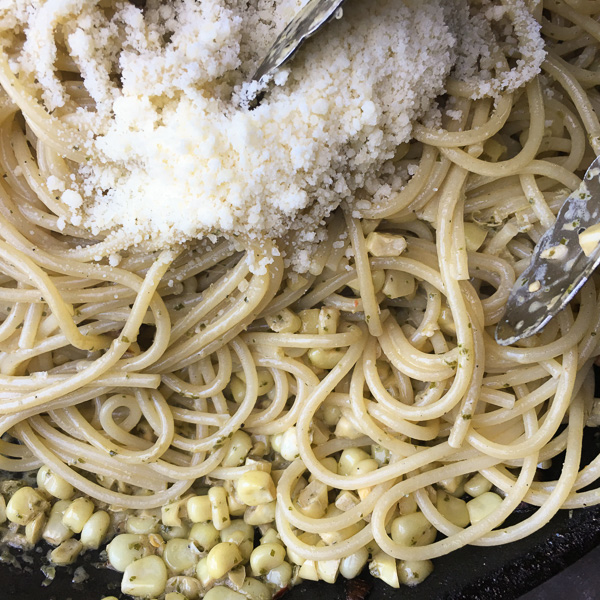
x: 309, y: 19
x: 563, y: 259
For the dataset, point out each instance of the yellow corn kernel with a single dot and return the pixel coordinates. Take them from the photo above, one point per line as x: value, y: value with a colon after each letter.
x: 310, y: 320
x: 482, y: 506
x: 378, y: 278
x: 352, y: 565
x: 35, y: 528
x: 312, y: 500
x: 261, y: 514
x: 95, y: 529
x: 179, y: 555
x: 78, y: 513
x: 66, y: 553
x: 199, y: 509
x: 205, y: 536
x: 219, y: 509
x: 146, y: 577
x: 325, y: 358
x: 413, y: 572
x: 222, y: 558
x: 55, y: 531
x: 25, y: 504
x: 126, y: 548
x: 266, y: 557
x: 478, y: 485
x: 255, y: 487
x: 454, y: 509
x: 285, y: 321
x: 412, y: 530
x: 54, y: 484
x: 349, y: 458
x: 385, y: 244
x: 398, y: 285
x: 329, y: 319
x: 383, y: 567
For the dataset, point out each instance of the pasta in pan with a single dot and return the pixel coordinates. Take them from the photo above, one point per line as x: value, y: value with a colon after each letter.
x: 369, y: 388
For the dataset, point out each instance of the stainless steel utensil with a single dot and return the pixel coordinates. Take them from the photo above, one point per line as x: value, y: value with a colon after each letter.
x: 559, y: 266
x: 311, y: 17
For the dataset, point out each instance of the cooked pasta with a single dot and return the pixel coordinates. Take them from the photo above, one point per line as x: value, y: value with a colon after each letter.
x: 369, y: 392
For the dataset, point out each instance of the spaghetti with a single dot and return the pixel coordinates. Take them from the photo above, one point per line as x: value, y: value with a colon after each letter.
x: 130, y: 381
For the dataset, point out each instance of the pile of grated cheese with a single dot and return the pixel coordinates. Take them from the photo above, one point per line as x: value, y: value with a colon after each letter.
x: 173, y: 155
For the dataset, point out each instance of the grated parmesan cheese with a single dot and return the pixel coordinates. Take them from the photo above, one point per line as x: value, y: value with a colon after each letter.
x: 172, y: 155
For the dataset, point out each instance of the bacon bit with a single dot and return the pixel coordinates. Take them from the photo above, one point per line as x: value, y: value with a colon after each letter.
x: 281, y: 592
x: 357, y: 589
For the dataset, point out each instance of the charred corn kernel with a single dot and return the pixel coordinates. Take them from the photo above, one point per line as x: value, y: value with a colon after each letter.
x: 352, y: 565
x: 451, y: 484
x: 205, y: 536
x: 285, y: 321
x: 349, y: 459
x: 378, y: 278
x: 328, y: 570
x: 398, y: 285
x: 313, y: 499
x: 219, y: 509
x: 54, y: 484
x: 189, y: 587
x: 325, y: 358
x: 78, y: 513
x: 95, y: 529
x: 385, y: 244
x: 329, y: 319
x: 482, y: 506
x: 222, y: 558
x: 413, y: 572
x: 199, y: 509
x: 25, y: 504
x: 2, y: 509
x: 477, y: 485
x: 346, y: 500
x: 179, y: 555
x: 308, y: 538
x: 146, y: 577
x: 237, y: 388
x: 367, y: 465
x: 169, y: 514
x: 261, y: 514
x: 66, y: 553
x: 143, y: 524
x: 407, y: 505
x: 308, y: 570
x: 175, y: 596
x: 221, y: 592
x: 289, y: 444
x: 345, y: 429
x: 254, y: 589
x: 310, y: 320
x: 240, y: 446
x: 202, y: 572
x: 383, y: 567
x: 280, y: 576
x: 255, y: 487
x: 266, y: 557
x: 412, y: 530
x: 126, y: 548
x: 265, y: 381
x: 454, y: 509
x: 55, y: 532
x: 35, y: 528
x: 474, y: 236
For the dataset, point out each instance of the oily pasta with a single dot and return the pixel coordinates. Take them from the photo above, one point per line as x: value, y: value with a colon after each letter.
x: 130, y: 381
